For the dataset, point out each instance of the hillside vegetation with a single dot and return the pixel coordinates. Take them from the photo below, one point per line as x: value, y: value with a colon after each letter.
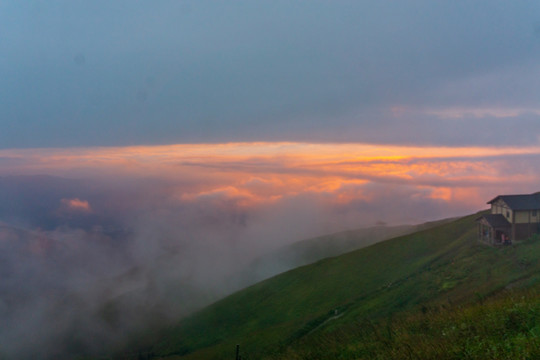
x: 408, y: 297
x: 311, y: 250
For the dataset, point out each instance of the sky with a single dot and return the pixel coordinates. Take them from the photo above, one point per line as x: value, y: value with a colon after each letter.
x: 151, y: 151
x: 101, y: 73
x: 326, y: 78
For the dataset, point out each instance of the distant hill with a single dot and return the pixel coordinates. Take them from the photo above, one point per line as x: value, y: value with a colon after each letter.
x: 308, y: 251
x: 342, y: 307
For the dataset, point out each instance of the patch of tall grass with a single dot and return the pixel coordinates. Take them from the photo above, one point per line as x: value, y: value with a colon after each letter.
x: 504, y: 327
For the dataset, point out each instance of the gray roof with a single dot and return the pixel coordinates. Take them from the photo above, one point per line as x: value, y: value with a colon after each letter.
x: 520, y: 202
x: 496, y: 220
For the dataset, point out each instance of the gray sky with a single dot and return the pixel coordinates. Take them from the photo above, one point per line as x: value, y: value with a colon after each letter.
x: 86, y: 73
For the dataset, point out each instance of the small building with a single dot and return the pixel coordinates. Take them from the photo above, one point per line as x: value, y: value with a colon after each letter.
x: 512, y: 218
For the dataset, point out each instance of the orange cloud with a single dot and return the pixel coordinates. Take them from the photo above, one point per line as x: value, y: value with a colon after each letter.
x: 254, y: 173
x: 77, y: 205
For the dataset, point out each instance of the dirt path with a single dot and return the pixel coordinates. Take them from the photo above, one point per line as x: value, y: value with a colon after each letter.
x: 326, y: 321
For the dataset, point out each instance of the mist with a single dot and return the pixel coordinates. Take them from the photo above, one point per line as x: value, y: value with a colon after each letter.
x: 81, y: 275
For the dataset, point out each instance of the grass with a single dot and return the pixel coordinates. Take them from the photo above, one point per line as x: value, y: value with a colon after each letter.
x: 505, y: 327
x: 371, y: 301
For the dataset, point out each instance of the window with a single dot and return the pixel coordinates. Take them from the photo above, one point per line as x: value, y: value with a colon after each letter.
x: 508, y: 214
x: 534, y: 213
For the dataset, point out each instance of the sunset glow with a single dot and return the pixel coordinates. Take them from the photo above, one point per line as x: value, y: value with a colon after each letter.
x: 257, y: 173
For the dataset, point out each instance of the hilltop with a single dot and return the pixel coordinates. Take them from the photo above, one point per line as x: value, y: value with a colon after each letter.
x: 442, y: 270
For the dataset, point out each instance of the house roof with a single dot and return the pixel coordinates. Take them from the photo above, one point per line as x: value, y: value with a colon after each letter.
x: 520, y: 202
x: 495, y: 220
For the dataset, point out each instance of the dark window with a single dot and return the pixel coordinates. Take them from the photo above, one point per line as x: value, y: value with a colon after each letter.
x: 534, y: 213
x: 508, y: 214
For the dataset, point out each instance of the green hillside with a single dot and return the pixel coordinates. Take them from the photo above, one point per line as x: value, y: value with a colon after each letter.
x: 311, y: 250
x: 322, y: 310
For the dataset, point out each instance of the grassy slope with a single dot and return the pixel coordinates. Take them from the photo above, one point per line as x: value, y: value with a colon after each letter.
x: 507, y: 326
x: 443, y: 265
x: 311, y: 250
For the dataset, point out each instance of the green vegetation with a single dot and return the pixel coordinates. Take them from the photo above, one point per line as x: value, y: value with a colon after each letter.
x: 507, y: 327
x: 434, y: 293
x: 311, y: 250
